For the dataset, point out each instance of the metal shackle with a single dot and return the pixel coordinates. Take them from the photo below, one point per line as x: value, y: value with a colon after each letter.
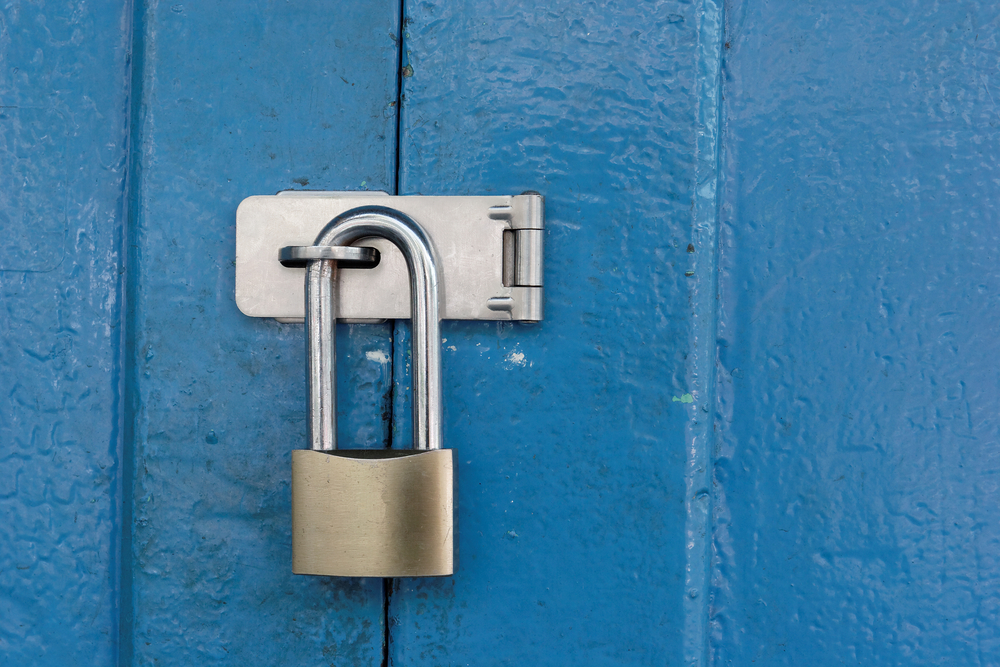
x: 321, y: 319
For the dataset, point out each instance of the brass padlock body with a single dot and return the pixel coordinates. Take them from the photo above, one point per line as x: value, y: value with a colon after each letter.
x: 373, y: 512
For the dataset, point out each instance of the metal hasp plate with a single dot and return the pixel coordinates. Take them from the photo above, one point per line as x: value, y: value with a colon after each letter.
x: 490, y: 251
x: 373, y: 512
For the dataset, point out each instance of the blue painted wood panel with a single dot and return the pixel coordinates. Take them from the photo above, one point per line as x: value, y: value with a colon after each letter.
x: 571, y: 435
x: 63, y: 114
x: 235, y: 100
x: 858, y: 511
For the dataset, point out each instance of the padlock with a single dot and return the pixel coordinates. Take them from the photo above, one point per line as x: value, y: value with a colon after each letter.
x: 373, y: 513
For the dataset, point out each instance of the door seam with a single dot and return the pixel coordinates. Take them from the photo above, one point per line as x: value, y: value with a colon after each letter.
x: 128, y: 411
x: 387, y: 584
x: 701, y: 373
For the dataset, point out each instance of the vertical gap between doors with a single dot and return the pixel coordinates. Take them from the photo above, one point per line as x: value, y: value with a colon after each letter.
x: 128, y: 287
x: 400, y: 52
x: 387, y: 583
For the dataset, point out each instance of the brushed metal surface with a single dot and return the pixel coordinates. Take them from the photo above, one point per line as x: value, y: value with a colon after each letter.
x: 373, y: 513
x: 467, y: 236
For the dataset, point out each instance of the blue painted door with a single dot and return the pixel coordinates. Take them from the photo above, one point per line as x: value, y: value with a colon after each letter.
x: 583, y: 482
x: 62, y: 174
x: 232, y: 100
x: 856, y: 499
x: 756, y: 426
x: 147, y: 423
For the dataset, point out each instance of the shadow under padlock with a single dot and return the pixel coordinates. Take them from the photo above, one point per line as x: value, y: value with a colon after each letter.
x: 372, y: 513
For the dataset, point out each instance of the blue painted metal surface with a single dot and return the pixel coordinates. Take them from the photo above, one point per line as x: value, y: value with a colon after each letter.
x: 235, y: 101
x: 571, y: 434
x: 63, y: 103
x: 837, y: 288
x: 857, y: 482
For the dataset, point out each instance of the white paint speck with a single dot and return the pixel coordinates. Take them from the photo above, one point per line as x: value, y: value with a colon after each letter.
x: 515, y: 358
x: 377, y: 355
